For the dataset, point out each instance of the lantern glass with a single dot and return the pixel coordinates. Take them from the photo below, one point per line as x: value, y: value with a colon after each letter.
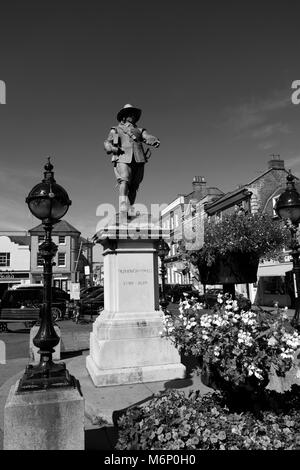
x: 48, y: 201
x: 291, y: 213
x: 40, y: 208
x: 163, y: 248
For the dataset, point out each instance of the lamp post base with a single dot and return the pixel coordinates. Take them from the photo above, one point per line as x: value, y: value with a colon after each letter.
x: 42, y: 378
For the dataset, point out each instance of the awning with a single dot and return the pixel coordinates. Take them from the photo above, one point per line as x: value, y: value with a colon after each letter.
x: 274, y: 269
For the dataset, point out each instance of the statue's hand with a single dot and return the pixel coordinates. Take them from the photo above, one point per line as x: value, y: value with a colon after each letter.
x: 117, y: 150
x: 157, y: 144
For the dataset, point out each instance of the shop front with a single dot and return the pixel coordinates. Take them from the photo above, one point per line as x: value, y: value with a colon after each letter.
x: 274, y: 285
x: 10, y: 279
x: 59, y: 280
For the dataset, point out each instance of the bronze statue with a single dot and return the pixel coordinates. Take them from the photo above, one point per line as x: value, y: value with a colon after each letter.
x: 125, y: 144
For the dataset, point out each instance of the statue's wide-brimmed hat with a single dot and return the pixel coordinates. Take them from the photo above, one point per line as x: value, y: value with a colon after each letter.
x: 129, y: 109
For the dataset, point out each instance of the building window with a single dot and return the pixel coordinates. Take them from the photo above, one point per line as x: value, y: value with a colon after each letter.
x: 39, y: 260
x: 171, y: 220
x: 41, y: 238
x: 61, y: 259
x: 5, y: 259
x: 274, y: 200
x: 286, y: 257
x: 62, y: 239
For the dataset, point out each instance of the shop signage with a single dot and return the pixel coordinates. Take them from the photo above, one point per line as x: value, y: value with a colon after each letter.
x: 9, y: 275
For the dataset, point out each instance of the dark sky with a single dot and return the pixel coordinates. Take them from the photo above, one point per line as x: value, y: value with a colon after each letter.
x: 213, y: 80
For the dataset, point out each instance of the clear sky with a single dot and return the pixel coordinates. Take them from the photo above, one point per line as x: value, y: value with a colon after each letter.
x: 213, y: 79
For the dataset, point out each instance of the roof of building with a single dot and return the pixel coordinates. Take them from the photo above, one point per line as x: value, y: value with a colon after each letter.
x: 21, y: 237
x: 243, y: 190
x: 61, y: 227
x: 20, y: 240
x: 206, y: 191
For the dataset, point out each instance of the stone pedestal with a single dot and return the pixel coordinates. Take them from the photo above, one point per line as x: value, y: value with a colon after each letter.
x: 44, y: 420
x: 126, y: 344
x: 33, y: 350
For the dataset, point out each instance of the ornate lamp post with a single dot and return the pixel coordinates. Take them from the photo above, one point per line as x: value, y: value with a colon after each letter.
x: 163, y: 250
x: 288, y: 208
x: 49, y: 202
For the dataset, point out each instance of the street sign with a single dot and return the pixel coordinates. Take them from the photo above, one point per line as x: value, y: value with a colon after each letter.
x: 87, y: 270
x: 75, y: 291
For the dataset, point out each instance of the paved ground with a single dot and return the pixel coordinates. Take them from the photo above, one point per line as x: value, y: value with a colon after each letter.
x: 102, y: 405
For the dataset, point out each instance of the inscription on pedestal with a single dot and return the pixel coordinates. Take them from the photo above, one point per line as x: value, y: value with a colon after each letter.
x: 135, y: 272
x: 136, y: 285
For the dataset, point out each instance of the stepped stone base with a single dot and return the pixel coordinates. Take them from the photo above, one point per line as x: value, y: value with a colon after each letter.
x: 128, y: 348
x: 126, y: 345
x: 131, y: 375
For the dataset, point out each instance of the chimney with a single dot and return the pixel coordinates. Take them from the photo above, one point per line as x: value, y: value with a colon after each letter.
x: 199, y: 184
x: 276, y: 163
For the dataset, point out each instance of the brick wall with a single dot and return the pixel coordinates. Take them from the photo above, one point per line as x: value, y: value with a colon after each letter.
x: 266, y: 187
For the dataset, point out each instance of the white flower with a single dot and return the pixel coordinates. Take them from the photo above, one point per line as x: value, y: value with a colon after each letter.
x: 253, y: 370
x: 272, y: 341
x: 287, y: 356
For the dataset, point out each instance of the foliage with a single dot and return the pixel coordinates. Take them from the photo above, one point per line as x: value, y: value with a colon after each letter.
x: 239, y: 344
x: 173, y: 421
x: 182, y: 328
x: 257, y: 235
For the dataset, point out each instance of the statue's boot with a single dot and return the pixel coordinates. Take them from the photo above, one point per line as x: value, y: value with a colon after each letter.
x: 123, y: 209
x: 131, y: 212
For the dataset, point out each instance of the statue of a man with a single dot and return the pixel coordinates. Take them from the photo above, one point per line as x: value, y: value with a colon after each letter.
x: 125, y: 144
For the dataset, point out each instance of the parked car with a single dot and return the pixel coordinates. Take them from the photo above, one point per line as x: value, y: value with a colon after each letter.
x: 23, y: 304
x: 89, y: 290
x: 210, y: 297
x: 175, y: 292
x: 92, y: 305
x: 92, y: 293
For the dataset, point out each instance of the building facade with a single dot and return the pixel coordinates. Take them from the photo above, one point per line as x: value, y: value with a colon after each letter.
x: 73, y: 257
x: 261, y: 194
x: 14, y: 259
x: 184, y: 219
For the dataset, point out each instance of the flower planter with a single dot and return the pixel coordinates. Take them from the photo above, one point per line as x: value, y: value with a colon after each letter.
x: 236, y: 268
x: 250, y: 395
